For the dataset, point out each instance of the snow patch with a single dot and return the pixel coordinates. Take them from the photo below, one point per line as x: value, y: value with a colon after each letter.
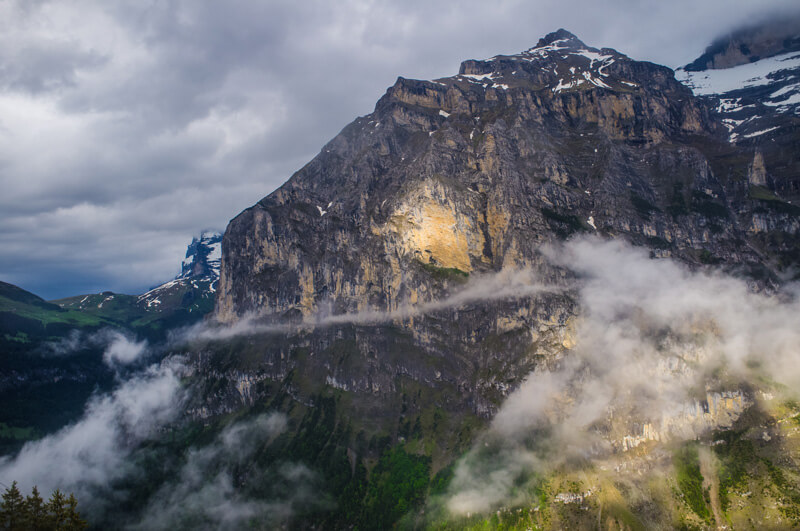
x: 593, y: 81
x: 593, y: 56
x: 215, y: 254
x: 759, y: 133
x: 747, y: 75
x: 780, y: 92
x: 792, y: 100
x: 590, y: 221
x: 321, y: 211
x: 479, y: 77
x: 444, y: 113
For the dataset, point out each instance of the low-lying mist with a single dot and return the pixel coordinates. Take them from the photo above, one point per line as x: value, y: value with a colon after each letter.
x: 103, y: 457
x: 654, y: 340
x: 119, y: 348
x: 85, y: 457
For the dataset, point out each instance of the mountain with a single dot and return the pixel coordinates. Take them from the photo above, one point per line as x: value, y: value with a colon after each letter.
x: 181, y: 301
x: 43, y: 392
x: 476, y: 171
x: 193, y: 290
x: 750, y: 44
x: 396, y: 291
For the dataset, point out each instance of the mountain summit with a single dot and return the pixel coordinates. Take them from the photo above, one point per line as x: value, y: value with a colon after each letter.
x: 559, y: 35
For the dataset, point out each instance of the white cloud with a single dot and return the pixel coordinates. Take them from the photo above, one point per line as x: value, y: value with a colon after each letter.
x: 123, y: 351
x: 205, y: 491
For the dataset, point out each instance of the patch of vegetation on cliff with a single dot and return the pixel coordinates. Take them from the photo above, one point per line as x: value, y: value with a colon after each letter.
x: 704, y: 205
x: 398, y: 483
x: 690, y: 480
x: 443, y: 274
x: 737, y: 456
x: 769, y: 201
x: 564, y: 225
x: 707, y: 257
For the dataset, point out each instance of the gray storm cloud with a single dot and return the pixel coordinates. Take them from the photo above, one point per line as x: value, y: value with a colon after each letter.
x: 651, y: 337
x: 127, y: 127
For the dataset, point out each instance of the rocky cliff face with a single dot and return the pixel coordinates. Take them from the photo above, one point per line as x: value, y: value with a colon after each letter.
x: 474, y: 172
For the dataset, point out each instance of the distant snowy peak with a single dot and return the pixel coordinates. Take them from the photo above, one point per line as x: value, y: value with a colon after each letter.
x: 203, y: 257
x: 781, y: 69
x: 198, y: 277
x: 751, y: 82
x: 750, y: 44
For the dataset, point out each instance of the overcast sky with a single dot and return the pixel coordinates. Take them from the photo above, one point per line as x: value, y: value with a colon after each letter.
x: 127, y: 127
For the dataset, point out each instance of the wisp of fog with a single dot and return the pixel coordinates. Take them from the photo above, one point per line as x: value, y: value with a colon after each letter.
x: 653, y: 339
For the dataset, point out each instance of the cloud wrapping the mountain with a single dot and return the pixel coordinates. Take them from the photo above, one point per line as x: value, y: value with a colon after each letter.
x: 505, y: 285
x: 653, y: 339
x: 123, y: 351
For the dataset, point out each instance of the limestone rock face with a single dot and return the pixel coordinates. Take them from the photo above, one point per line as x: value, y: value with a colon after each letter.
x: 474, y: 172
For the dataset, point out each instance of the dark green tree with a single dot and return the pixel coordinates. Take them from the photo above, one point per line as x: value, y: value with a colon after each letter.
x: 33, y: 514
x: 12, y: 509
x: 74, y: 521
x: 57, y: 509
x: 35, y: 511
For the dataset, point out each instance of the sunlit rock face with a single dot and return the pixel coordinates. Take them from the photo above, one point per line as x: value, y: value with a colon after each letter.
x: 476, y: 171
